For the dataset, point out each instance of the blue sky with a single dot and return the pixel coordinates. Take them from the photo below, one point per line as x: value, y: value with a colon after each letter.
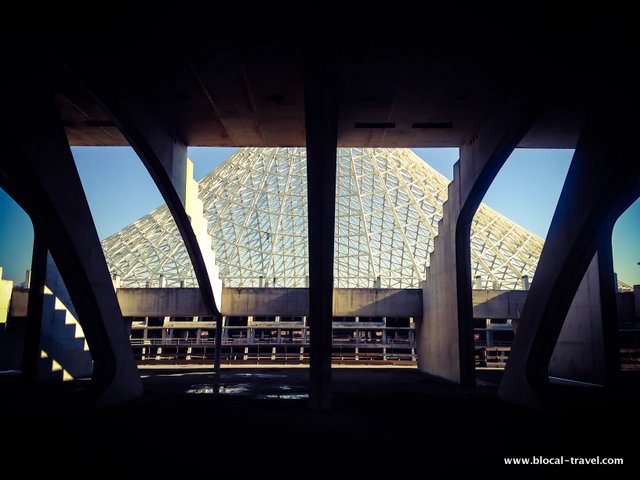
x: 120, y: 191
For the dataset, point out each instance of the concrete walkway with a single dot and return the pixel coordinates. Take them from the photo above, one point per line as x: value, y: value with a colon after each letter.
x: 384, y: 421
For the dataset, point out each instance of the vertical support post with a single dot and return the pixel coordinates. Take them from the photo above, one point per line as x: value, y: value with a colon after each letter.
x: 321, y: 137
x: 601, y: 184
x: 31, y: 351
x: 218, y: 357
x: 608, y: 302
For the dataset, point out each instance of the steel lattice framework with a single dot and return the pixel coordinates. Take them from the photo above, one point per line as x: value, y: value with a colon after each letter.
x: 388, y: 205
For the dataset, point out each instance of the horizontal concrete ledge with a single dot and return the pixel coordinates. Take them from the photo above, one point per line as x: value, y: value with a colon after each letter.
x: 294, y: 302
x: 347, y: 302
x: 498, y: 304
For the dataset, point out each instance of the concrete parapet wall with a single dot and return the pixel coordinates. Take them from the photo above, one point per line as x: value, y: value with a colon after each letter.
x: 498, y: 304
x: 348, y: 302
x: 161, y: 302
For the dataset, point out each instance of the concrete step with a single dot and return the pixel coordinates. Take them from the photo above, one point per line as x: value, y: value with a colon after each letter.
x: 64, y: 345
x: 49, y: 370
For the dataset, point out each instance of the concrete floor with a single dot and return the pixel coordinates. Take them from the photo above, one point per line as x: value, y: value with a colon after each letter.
x: 390, y: 421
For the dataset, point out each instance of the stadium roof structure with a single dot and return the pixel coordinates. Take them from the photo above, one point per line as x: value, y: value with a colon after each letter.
x: 388, y: 204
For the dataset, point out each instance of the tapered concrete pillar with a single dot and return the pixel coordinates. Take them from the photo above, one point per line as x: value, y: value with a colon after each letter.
x: 321, y: 132
x: 164, y: 155
x: 33, y: 327
x: 445, y: 332
x: 588, y: 337
x: 603, y: 180
x: 37, y: 169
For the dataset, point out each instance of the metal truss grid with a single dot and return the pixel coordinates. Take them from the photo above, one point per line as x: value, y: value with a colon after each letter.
x: 388, y: 204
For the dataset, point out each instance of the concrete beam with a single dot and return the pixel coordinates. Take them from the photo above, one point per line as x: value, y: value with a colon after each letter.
x: 294, y: 302
x: 498, y: 304
x: 602, y: 182
x: 321, y: 128
x: 290, y: 302
x: 38, y: 171
x: 165, y: 157
x: 445, y: 333
x: 377, y: 302
x: 162, y: 302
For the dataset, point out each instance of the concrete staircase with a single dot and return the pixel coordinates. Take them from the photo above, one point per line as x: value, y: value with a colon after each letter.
x: 64, y: 351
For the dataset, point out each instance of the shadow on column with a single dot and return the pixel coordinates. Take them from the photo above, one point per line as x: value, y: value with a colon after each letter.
x: 602, y: 182
x: 38, y: 171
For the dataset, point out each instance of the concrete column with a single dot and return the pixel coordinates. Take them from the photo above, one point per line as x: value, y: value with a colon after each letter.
x: 580, y: 352
x: 601, y: 184
x: 218, y: 357
x: 304, y: 330
x: 445, y: 332
x: 33, y: 327
x: 164, y: 155
x: 321, y: 137
x: 39, y: 171
x: 384, y: 332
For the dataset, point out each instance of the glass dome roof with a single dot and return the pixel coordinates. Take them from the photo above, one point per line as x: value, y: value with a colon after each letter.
x: 388, y: 204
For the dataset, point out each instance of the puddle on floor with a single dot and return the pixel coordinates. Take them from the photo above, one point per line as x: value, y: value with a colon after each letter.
x: 261, y: 375
x: 284, y: 391
x: 233, y: 389
x: 284, y: 396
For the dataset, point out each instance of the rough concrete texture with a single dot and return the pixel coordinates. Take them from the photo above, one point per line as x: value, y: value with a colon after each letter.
x: 161, y: 302
x: 498, y: 304
x: 377, y: 302
x: 265, y: 301
x: 437, y: 333
x: 61, y: 335
x: 187, y: 302
x: 445, y: 333
x: 43, y: 178
x: 348, y: 302
x: 579, y: 353
x: 600, y: 184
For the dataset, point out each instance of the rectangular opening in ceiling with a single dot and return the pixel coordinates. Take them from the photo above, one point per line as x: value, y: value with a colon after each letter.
x: 432, y: 125
x: 375, y: 125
